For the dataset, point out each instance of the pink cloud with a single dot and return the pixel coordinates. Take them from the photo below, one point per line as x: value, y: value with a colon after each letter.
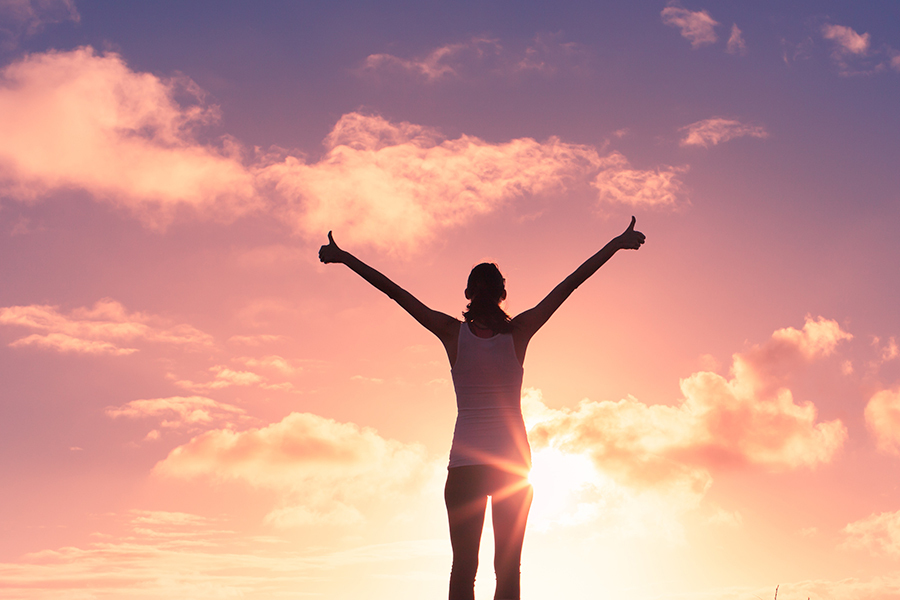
x: 445, y: 61
x: 696, y: 26
x: 98, y: 330
x: 546, y: 54
x: 749, y: 418
x: 393, y: 185
x: 327, y: 472
x: 86, y: 121
x: 82, y: 120
x: 710, y: 132
x: 846, y: 39
x: 272, y: 362
x: 178, y: 411
x: 853, y: 53
x: 883, y: 419
x: 736, y: 43
x: 618, y: 182
x: 223, y: 377
x: 877, y: 533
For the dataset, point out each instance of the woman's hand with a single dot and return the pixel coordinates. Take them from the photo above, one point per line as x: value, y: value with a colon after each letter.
x: 630, y: 239
x: 330, y: 253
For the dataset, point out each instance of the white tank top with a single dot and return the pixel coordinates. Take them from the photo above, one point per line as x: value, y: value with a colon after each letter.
x: 487, y: 377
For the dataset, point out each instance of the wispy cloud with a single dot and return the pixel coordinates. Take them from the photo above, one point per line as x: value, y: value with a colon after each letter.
x: 855, y: 54
x: 326, y: 472
x: 696, y: 26
x: 102, y: 329
x: 23, y: 18
x: 442, y: 62
x: 736, y: 44
x: 618, y: 182
x: 168, y: 554
x: 716, y: 130
x: 877, y: 533
x: 180, y: 412
x: 547, y: 54
x: 846, y: 40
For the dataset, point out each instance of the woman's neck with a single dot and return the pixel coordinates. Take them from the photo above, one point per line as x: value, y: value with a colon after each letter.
x: 480, y: 330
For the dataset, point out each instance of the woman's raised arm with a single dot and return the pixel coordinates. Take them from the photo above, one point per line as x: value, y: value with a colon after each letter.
x: 445, y: 327
x: 527, y: 323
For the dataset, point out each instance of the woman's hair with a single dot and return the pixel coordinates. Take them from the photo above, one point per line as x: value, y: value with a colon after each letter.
x: 485, y: 290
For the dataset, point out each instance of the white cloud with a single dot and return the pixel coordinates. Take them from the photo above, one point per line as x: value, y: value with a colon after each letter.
x: 618, y: 182
x: 102, y: 329
x: 716, y: 130
x: 326, y: 472
x: 736, y: 43
x: 696, y: 26
x: 883, y: 419
x: 877, y: 533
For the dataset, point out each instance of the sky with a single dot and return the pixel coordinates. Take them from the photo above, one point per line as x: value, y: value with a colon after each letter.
x: 192, y: 406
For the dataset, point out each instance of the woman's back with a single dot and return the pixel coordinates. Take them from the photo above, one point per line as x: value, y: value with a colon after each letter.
x: 487, y: 377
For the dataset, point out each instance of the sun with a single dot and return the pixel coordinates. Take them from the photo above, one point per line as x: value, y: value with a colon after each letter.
x: 560, y: 481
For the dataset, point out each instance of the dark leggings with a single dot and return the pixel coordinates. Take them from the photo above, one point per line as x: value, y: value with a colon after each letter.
x: 466, y: 495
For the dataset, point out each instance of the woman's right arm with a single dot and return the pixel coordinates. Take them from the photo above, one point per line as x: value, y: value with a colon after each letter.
x: 445, y: 327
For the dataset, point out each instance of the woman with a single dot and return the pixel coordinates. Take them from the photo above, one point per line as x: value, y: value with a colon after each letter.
x: 490, y: 454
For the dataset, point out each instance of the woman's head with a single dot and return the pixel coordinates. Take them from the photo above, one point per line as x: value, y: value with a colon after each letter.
x: 485, y: 290
x: 485, y: 281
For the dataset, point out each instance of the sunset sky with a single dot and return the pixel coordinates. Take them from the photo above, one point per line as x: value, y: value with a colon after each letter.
x: 192, y: 406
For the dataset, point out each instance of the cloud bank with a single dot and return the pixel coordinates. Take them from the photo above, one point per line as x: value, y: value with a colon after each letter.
x: 79, y: 120
x: 326, y: 472
x: 84, y: 121
x: 747, y: 419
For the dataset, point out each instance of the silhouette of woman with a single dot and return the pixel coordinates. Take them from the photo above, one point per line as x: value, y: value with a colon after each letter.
x: 490, y: 455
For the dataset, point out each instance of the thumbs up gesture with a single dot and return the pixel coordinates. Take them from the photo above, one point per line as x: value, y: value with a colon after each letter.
x: 631, y: 239
x: 330, y: 253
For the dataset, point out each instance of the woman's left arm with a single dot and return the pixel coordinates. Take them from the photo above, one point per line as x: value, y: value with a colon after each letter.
x: 526, y: 324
